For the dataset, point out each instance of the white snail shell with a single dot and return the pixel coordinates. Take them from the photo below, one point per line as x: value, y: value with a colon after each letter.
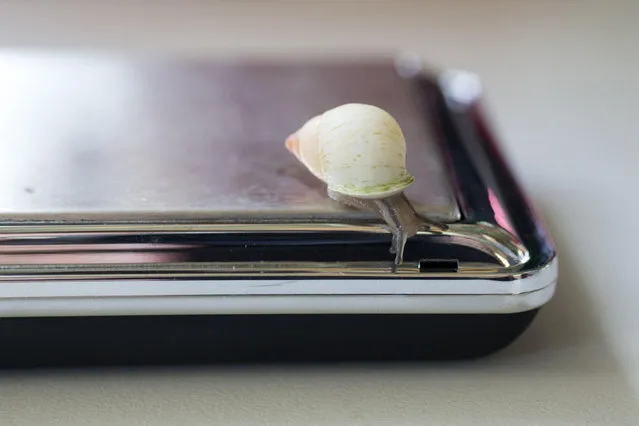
x: 358, y: 150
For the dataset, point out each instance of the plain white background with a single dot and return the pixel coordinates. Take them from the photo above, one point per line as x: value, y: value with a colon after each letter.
x: 561, y: 79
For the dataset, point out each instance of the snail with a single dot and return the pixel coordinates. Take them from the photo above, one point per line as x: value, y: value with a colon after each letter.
x: 359, y: 152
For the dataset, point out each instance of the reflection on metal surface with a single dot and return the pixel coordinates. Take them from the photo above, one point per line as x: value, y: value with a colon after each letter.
x: 461, y: 88
x: 176, y: 198
x: 97, y: 135
x: 172, y: 269
x: 174, y: 301
x: 179, y: 242
x: 409, y: 65
x: 296, y: 282
x: 500, y: 215
x: 87, y: 254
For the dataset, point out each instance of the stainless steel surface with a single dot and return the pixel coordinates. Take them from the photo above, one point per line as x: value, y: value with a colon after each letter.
x: 390, y: 303
x: 107, y: 138
x: 165, y: 251
x: 177, y: 244
x: 493, y: 280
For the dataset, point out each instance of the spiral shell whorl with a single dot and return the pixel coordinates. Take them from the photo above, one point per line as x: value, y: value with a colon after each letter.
x: 362, y: 152
x: 304, y: 144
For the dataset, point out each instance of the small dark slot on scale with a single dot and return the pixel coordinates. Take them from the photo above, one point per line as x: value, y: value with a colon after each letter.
x: 438, y: 265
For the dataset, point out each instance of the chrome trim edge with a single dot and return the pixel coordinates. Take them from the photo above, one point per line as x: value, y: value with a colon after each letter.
x: 242, y: 305
x: 282, y: 287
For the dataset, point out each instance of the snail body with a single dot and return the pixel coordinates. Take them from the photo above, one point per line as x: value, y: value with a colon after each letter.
x: 359, y: 151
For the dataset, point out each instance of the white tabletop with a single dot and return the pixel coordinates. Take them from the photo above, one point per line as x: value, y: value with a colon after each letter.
x: 561, y: 77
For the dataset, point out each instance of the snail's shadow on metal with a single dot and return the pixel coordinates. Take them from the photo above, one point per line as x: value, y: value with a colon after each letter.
x: 297, y: 172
